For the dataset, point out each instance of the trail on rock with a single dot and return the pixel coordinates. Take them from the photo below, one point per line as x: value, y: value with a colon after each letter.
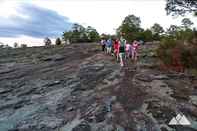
x: 80, y: 88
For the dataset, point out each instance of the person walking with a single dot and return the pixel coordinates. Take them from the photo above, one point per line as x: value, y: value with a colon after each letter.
x: 109, y: 46
x: 116, y: 48
x: 128, y: 50
x: 122, y: 51
x: 135, y: 47
x: 103, y: 44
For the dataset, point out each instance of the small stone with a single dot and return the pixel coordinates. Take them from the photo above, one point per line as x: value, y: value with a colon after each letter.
x: 193, y: 100
x: 83, y: 126
x: 70, y: 109
x: 144, y: 78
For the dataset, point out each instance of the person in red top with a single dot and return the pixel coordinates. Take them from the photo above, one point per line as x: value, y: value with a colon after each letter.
x: 116, y: 48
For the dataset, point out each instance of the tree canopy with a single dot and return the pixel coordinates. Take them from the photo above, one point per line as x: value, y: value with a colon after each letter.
x: 58, y: 41
x: 47, y: 41
x: 187, y: 23
x: 157, y: 29
x: 78, y: 33
x: 172, y: 30
x: 130, y: 27
x: 16, y: 45
x: 180, y: 7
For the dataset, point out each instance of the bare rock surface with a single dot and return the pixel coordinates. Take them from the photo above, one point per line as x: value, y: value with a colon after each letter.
x: 79, y: 88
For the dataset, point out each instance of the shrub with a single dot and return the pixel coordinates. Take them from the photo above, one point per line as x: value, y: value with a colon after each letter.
x: 23, y: 45
x: 174, y: 53
x: 47, y: 41
x: 58, y: 41
x: 15, y: 45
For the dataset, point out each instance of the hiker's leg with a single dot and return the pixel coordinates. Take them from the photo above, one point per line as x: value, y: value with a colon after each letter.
x: 107, y: 50
x: 123, y: 56
x: 117, y: 56
x: 133, y: 55
x: 136, y: 55
x: 110, y: 50
x: 121, y: 59
x: 127, y: 54
x: 102, y: 47
x: 120, y: 56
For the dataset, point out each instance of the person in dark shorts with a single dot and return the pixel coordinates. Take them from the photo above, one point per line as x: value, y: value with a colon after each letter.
x: 103, y: 44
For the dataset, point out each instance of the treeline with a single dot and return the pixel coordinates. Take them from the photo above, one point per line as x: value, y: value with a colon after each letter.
x: 131, y: 30
x: 15, y: 45
x: 78, y: 33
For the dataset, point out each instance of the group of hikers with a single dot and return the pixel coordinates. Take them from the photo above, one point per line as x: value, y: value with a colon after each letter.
x: 121, y: 49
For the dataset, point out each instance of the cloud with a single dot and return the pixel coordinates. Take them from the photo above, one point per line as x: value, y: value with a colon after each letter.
x: 34, y: 21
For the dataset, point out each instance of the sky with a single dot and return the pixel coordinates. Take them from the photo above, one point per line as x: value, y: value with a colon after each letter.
x: 30, y: 21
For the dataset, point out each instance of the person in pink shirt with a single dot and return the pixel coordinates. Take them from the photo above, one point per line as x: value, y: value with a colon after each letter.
x: 128, y: 50
x: 135, y: 46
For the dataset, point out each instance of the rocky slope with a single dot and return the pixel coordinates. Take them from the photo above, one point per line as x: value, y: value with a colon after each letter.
x: 79, y: 88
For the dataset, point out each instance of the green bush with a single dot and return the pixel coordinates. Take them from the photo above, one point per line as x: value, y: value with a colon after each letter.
x: 58, y: 41
x: 170, y: 48
x: 168, y: 43
x: 23, y: 45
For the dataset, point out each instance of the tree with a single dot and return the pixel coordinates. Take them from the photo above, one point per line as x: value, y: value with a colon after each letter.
x: 1, y: 45
x: 78, y: 28
x: 173, y: 29
x: 129, y: 27
x: 47, y: 41
x: 81, y: 34
x: 180, y: 7
x: 185, y: 35
x: 15, y: 45
x: 145, y: 35
x: 179, y: 33
x: 67, y: 36
x: 157, y: 29
x: 58, y: 41
x: 92, y: 34
x: 78, y: 33
x: 132, y: 21
x: 105, y: 36
x: 187, y: 23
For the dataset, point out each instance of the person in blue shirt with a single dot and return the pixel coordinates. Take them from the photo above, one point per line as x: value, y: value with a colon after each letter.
x: 109, y: 46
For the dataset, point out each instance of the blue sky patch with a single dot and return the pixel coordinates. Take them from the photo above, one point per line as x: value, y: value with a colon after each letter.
x: 34, y: 21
